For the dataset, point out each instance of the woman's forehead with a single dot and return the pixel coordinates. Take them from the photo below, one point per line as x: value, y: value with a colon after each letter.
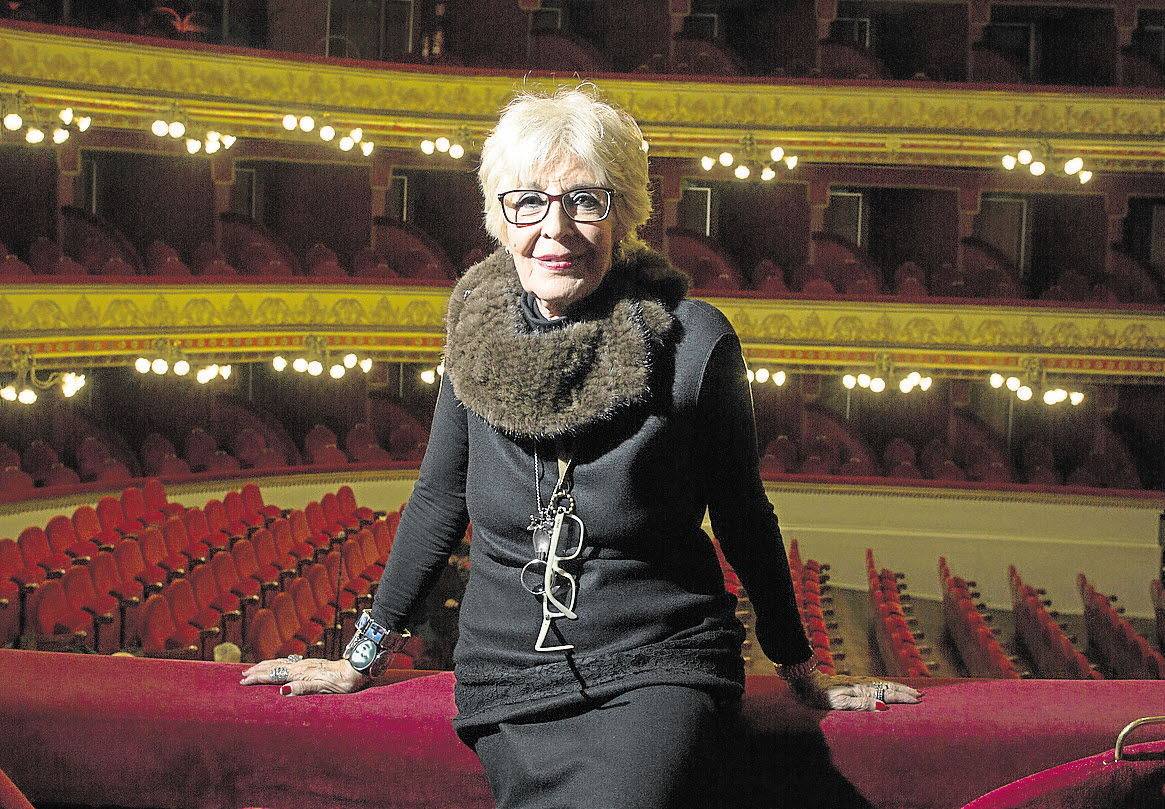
x: 561, y: 171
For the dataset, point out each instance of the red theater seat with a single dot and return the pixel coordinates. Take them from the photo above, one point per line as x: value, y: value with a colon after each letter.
x: 101, y: 607
x: 36, y: 551
x: 60, y: 625
x: 162, y: 636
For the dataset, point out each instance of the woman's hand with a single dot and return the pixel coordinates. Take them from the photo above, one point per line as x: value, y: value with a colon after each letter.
x: 296, y: 676
x: 838, y: 693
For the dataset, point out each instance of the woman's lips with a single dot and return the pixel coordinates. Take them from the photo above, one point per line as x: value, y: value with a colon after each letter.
x: 556, y: 265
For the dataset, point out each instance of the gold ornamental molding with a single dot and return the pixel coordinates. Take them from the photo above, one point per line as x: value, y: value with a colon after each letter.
x: 63, y: 325
x: 125, y: 82
x: 964, y: 340
x: 111, y: 325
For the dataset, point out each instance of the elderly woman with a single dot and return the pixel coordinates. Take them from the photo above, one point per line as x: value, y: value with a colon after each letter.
x: 588, y: 416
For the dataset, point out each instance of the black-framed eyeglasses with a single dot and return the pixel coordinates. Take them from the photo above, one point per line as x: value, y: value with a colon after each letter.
x: 529, y: 207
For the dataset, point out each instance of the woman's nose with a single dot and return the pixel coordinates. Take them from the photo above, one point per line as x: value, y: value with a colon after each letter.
x: 557, y: 224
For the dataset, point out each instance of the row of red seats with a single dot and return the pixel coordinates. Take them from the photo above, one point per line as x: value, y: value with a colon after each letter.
x: 1112, y: 638
x: 733, y: 585
x: 893, y: 628
x: 970, y: 629
x: 815, y: 606
x: 1049, y: 647
x: 406, y: 442
x: 130, y: 561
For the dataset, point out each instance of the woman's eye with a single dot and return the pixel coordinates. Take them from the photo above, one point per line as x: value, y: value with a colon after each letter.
x: 530, y: 201
x: 585, y: 200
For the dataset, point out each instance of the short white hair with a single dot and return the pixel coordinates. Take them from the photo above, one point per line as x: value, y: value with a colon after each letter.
x: 536, y: 130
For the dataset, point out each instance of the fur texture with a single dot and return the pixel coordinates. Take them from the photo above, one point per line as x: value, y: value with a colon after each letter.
x: 555, y: 383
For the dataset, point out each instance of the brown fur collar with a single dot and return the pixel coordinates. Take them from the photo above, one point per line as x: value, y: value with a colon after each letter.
x: 554, y: 383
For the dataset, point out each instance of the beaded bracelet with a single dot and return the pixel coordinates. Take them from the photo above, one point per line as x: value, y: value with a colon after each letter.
x: 797, y: 671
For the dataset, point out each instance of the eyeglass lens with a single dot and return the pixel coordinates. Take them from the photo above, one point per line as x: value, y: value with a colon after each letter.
x: 581, y: 205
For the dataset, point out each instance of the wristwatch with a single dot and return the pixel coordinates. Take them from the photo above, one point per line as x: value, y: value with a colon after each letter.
x: 371, y: 648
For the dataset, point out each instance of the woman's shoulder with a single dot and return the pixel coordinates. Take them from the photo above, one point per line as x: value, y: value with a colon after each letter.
x: 701, y: 320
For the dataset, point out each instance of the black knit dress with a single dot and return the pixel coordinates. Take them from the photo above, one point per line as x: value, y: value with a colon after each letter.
x: 647, y: 393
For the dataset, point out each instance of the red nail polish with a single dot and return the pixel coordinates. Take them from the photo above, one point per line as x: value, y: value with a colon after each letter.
x: 285, y: 690
x: 880, y: 706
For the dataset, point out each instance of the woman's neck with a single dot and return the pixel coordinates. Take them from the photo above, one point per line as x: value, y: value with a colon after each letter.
x: 546, y: 311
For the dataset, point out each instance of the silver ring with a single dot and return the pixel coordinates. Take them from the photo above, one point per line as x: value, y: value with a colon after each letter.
x: 880, y: 691
x: 280, y: 674
x: 294, y: 658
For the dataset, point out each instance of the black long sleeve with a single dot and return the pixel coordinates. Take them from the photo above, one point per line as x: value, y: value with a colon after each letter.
x: 743, y: 519
x: 434, y: 519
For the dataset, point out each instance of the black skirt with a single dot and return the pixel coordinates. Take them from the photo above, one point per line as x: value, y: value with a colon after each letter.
x: 655, y: 747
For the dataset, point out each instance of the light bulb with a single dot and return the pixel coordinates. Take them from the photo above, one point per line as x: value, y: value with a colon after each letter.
x: 1024, y: 156
x: 877, y: 384
x: 1074, y: 165
x: 290, y: 122
x: 315, y: 368
x: 213, y: 136
x: 457, y: 151
x: 193, y: 145
x: 176, y: 129
x: 427, y: 146
x: 914, y: 377
x: 34, y: 135
x: 307, y: 123
x: 905, y: 385
x: 80, y: 381
x: 441, y: 144
x: 346, y: 144
x: 1075, y: 397
x: 777, y: 153
x: 779, y: 378
x: 428, y: 376
x: 925, y: 383
x: 366, y: 147
x: 742, y: 172
x: 767, y: 173
x: 366, y: 364
x: 350, y: 360
x: 336, y: 371
x: 791, y: 161
x: 13, y: 121
x: 225, y: 371
x: 1024, y: 393
x: 182, y: 368
x: 278, y: 363
x: 8, y: 393
x: 762, y: 375
x: 726, y: 158
x: 66, y: 116
x: 26, y: 396
x: 60, y: 135
x: 203, y: 377
x: 1037, y: 168
x: 142, y: 365
x: 68, y: 390
x: 299, y: 365
x: 850, y: 381
x: 751, y: 376
x: 228, y: 141
x: 159, y: 366
x: 356, y: 134
x: 996, y: 380
x: 1013, y: 383
x: 83, y: 123
x: 1050, y: 397
x: 1009, y: 161
x: 1085, y: 175
x: 707, y: 163
x: 327, y: 132
x: 863, y: 380
x: 212, y: 146
x: 160, y: 128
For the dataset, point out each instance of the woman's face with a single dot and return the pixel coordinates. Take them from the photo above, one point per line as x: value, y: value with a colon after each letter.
x: 559, y: 260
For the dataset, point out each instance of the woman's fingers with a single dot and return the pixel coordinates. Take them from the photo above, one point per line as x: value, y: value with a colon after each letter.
x: 301, y: 677
x: 866, y: 696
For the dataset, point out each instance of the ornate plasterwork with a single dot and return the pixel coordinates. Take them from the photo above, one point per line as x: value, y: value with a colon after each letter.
x: 109, y: 323
x: 127, y: 83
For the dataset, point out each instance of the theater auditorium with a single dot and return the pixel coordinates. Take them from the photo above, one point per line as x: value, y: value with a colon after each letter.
x: 229, y: 232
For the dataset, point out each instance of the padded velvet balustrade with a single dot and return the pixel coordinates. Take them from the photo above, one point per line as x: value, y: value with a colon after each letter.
x: 96, y: 730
